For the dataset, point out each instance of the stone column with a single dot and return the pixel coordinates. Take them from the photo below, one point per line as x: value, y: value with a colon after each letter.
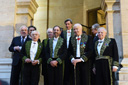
x: 14, y: 14
x: 40, y: 18
x: 123, y: 74
x: 107, y: 6
x: 25, y: 10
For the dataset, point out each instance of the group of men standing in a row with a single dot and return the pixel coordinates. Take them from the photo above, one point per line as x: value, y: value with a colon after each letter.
x: 68, y: 57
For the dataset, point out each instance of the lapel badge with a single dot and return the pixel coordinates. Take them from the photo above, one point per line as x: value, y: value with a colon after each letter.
x: 106, y: 44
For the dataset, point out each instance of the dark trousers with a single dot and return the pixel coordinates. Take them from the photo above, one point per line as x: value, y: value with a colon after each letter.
x: 15, y: 73
x: 55, y: 75
x: 82, y: 75
x: 92, y: 74
x: 67, y: 72
x: 103, y: 72
x: 44, y: 72
x: 31, y: 74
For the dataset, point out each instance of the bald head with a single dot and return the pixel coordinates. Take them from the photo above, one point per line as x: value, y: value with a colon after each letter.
x: 102, y: 33
x: 77, y: 29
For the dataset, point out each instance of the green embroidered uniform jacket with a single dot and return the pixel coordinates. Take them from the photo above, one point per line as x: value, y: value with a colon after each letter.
x: 85, y: 47
x: 60, y: 50
x: 26, y: 51
x: 108, y: 50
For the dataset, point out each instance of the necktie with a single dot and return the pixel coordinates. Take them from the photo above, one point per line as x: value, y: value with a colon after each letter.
x: 22, y: 42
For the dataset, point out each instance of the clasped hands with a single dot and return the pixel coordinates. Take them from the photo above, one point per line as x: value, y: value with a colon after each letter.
x: 30, y: 61
x: 53, y: 63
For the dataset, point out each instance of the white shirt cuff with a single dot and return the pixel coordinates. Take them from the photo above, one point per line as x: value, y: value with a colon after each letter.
x: 115, y: 67
x: 20, y: 47
x: 81, y: 59
x: 38, y: 62
x: 72, y: 59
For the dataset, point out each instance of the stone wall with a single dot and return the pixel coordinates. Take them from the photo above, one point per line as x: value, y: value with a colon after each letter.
x: 7, y: 13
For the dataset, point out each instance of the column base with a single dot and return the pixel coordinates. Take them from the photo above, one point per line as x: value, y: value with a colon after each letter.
x: 5, y: 69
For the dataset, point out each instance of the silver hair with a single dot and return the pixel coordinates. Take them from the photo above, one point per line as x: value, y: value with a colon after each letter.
x: 49, y: 29
x: 103, y: 29
x: 35, y: 31
x: 23, y: 26
x: 95, y: 26
x: 77, y: 25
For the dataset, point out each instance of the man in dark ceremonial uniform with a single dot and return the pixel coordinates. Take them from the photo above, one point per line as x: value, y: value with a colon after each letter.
x: 16, y: 47
x: 44, y: 62
x: 106, y: 58
x: 67, y: 34
x: 80, y: 49
x: 55, y: 54
x: 32, y: 58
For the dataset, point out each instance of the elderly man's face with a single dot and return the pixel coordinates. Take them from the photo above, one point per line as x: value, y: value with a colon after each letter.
x: 68, y: 25
x: 77, y: 30
x: 23, y: 31
x: 50, y: 34
x: 56, y: 31
x: 101, y: 34
x: 35, y: 36
x: 30, y: 30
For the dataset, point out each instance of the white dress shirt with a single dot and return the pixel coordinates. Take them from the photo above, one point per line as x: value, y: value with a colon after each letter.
x: 68, y: 37
x: 33, y: 50
x: 54, y: 45
x: 78, y: 49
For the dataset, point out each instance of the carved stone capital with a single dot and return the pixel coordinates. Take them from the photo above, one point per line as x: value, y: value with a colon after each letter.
x: 26, y: 7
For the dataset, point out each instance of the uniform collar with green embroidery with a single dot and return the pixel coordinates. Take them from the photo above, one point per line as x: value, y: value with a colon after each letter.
x: 105, y: 44
x: 83, y: 42
x: 58, y: 46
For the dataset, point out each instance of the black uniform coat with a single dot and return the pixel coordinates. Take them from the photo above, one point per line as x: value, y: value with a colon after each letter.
x: 67, y: 70
x: 104, y: 61
x: 82, y: 68
x: 31, y: 73
x: 55, y: 74
x: 44, y: 62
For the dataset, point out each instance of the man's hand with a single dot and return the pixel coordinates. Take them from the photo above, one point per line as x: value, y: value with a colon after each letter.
x: 34, y: 62
x: 27, y: 60
x: 54, y: 63
x: 17, y: 48
x: 94, y: 70
x: 114, y: 69
x: 75, y: 61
